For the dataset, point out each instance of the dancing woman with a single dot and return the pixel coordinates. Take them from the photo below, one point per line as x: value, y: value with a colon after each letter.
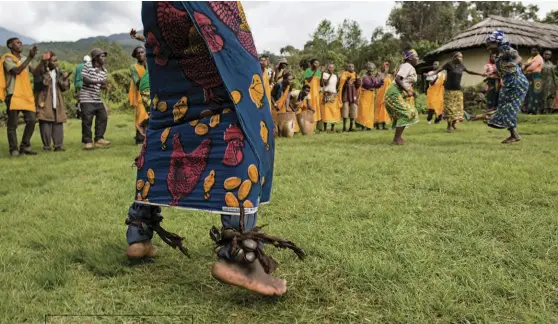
x: 398, y: 97
x: 515, y: 85
x: 209, y: 143
x: 453, y: 95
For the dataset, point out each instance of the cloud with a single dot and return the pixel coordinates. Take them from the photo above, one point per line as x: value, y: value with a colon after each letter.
x: 274, y: 23
x: 71, y: 20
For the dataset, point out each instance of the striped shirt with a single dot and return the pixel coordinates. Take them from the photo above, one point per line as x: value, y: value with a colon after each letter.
x: 91, y: 92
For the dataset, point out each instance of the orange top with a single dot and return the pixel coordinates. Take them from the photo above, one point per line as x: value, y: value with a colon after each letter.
x: 536, y: 62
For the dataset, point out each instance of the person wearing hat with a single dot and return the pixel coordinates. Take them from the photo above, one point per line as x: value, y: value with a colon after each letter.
x: 78, y: 82
x: 139, y: 88
x: 94, y: 77
x: 280, y: 68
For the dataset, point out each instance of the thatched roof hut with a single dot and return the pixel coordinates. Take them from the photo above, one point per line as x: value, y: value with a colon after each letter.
x: 521, y: 34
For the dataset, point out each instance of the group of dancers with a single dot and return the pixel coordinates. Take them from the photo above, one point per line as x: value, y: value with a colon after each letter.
x: 513, y: 86
x: 209, y: 140
x: 377, y: 98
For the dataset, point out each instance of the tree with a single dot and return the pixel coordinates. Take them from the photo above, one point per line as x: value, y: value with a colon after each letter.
x: 438, y: 22
x: 551, y: 18
x: 322, y: 38
x: 480, y: 10
x: 351, y: 40
x: 288, y: 50
x: 423, y: 47
x: 383, y: 47
x: 432, y: 21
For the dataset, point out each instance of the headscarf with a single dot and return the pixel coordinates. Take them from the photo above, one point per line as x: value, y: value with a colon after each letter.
x: 86, y: 59
x: 497, y: 37
x: 410, y: 53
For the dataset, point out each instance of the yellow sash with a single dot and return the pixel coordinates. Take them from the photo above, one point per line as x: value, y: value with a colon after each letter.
x: 134, y: 96
x: 267, y: 88
x: 281, y: 103
x: 22, y: 98
x: 344, y: 77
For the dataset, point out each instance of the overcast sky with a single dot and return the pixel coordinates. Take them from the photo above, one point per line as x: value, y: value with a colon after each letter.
x: 274, y: 24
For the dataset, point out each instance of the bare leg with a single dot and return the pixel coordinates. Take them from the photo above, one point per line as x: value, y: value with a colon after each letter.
x: 453, y: 124
x: 514, y: 136
x: 139, y: 239
x: 398, y: 139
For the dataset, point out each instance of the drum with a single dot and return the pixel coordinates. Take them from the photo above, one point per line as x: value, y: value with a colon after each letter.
x: 286, y: 123
x: 306, y: 122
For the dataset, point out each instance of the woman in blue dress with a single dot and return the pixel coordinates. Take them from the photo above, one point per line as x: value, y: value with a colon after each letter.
x: 515, y: 85
x: 209, y: 143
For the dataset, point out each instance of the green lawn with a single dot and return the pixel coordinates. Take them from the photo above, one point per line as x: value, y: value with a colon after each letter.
x: 450, y: 228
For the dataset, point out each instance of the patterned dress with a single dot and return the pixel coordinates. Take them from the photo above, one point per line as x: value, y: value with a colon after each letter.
x: 513, y: 91
x: 550, y: 81
x: 400, y: 107
x: 535, y: 100
x: 209, y: 143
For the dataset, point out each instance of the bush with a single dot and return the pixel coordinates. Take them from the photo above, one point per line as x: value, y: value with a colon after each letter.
x: 474, y: 98
x: 421, y: 103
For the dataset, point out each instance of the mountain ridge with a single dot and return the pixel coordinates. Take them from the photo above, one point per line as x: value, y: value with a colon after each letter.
x: 6, y: 34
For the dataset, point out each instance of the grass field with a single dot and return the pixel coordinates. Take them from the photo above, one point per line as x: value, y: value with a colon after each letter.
x: 450, y: 228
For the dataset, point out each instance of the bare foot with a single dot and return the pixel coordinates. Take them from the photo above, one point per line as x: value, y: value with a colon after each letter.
x: 511, y: 140
x: 250, y: 276
x: 448, y: 130
x: 141, y: 250
x: 399, y: 141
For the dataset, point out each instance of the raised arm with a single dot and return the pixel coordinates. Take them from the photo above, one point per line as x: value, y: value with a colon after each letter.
x: 17, y: 70
x: 134, y: 35
x: 440, y: 69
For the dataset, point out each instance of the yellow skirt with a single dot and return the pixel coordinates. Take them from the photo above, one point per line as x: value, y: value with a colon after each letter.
x: 453, y: 105
x: 365, y: 116
x: 331, y: 111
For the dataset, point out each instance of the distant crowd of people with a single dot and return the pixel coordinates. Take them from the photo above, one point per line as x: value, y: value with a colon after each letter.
x: 43, y: 99
x: 326, y: 98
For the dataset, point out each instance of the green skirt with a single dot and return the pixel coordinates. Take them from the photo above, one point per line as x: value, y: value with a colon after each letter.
x: 400, y: 108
